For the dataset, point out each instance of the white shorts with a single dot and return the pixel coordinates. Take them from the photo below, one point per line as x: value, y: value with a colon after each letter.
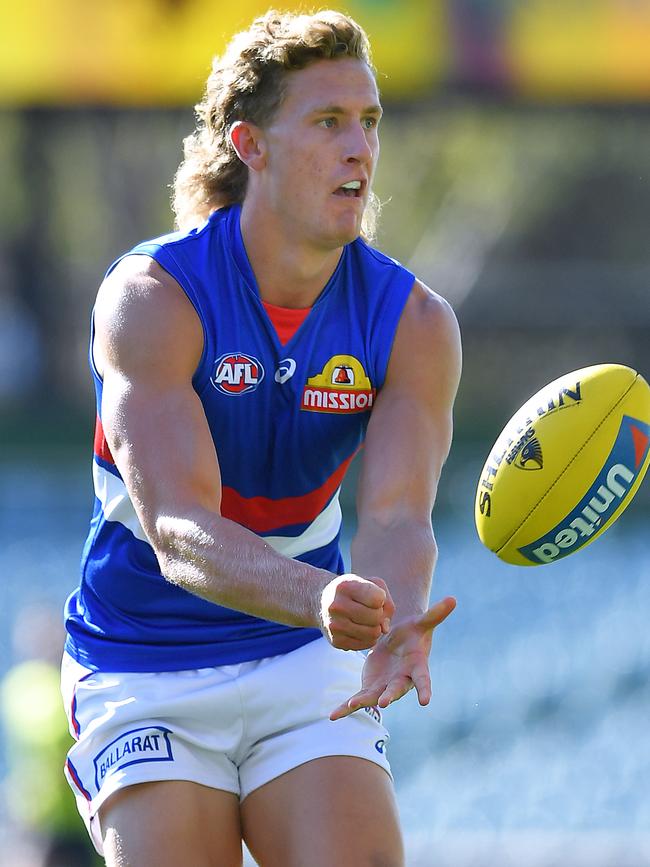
x: 234, y: 727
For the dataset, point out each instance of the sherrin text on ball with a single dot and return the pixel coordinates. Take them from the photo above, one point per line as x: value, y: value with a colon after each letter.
x: 565, y: 466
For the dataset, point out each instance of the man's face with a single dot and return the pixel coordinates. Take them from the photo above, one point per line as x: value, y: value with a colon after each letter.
x: 323, y: 136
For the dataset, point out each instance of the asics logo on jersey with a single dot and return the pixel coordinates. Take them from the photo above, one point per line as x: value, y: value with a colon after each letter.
x: 342, y: 386
x: 236, y: 373
x: 286, y: 369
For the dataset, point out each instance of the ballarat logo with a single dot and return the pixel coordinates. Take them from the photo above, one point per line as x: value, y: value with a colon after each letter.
x: 341, y: 386
x: 236, y: 373
x: 149, y: 744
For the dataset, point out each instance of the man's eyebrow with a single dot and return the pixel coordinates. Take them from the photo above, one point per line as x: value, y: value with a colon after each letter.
x: 337, y: 109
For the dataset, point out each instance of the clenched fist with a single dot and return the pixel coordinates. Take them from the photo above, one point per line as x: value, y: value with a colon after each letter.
x: 355, y: 611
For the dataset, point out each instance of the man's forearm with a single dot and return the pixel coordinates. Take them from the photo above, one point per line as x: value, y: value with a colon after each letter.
x: 404, y: 554
x: 225, y: 563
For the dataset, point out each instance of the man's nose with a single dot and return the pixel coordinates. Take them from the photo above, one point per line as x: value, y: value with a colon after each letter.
x: 358, y: 147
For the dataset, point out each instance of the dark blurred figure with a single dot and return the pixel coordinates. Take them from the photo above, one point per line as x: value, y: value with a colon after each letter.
x: 38, y: 803
x: 478, y: 30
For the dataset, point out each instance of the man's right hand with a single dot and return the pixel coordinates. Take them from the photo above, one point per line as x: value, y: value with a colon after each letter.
x: 355, y: 612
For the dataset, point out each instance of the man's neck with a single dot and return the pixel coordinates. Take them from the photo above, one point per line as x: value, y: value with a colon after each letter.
x: 287, y: 274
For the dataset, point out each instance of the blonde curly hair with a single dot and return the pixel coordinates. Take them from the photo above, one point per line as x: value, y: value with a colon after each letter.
x: 248, y: 83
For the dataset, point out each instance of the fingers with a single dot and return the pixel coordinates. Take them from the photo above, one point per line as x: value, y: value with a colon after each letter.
x: 436, y: 614
x: 422, y: 682
x: 356, y: 611
x: 398, y: 687
x: 363, y: 698
x: 369, y: 592
x: 373, y: 605
x: 381, y: 696
x: 400, y: 663
x: 388, y: 604
x: 362, y: 638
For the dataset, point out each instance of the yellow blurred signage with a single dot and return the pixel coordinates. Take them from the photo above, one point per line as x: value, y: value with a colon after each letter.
x: 157, y: 52
x: 149, y: 52
x: 581, y: 49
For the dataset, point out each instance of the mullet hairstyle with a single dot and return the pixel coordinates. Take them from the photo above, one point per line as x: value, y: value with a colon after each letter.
x: 248, y: 83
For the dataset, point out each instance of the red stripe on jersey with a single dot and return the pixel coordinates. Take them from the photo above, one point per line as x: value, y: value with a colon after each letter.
x: 286, y: 320
x: 75, y: 779
x: 100, y: 446
x: 73, y: 716
x: 262, y: 514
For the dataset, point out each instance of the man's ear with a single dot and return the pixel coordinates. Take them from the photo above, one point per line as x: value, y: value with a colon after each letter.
x: 248, y: 142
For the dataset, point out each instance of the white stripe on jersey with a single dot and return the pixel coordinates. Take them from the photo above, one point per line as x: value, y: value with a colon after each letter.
x: 117, y: 506
x: 320, y: 532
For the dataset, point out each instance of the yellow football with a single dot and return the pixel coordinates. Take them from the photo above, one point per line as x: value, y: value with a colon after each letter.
x: 565, y: 466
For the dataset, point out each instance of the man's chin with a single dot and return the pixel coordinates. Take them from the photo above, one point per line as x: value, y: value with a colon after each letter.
x: 335, y: 233
x: 348, y: 232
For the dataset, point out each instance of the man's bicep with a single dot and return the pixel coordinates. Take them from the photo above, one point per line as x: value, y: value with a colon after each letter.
x: 144, y: 324
x: 149, y: 339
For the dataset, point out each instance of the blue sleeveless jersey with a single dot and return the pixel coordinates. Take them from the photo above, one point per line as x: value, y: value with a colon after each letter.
x: 286, y: 422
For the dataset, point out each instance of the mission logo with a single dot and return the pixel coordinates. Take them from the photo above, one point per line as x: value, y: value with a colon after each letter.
x: 341, y: 387
x: 236, y: 373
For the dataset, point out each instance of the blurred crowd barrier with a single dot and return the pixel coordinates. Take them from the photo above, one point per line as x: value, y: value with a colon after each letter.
x: 531, y: 221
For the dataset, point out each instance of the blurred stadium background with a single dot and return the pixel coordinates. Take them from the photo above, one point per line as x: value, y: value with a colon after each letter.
x: 516, y: 181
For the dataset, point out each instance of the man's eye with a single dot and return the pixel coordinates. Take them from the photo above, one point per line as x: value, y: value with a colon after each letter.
x: 328, y: 122
x: 370, y: 122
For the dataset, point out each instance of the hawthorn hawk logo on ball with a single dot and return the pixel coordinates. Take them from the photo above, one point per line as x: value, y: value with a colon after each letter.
x: 341, y: 387
x: 236, y: 373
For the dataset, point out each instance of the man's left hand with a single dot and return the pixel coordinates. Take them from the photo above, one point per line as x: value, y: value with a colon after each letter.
x: 398, y: 662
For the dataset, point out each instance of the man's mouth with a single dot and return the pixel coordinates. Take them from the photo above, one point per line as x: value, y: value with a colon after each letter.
x: 351, y: 189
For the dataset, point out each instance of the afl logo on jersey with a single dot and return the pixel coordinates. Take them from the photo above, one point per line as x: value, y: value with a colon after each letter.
x: 236, y: 373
